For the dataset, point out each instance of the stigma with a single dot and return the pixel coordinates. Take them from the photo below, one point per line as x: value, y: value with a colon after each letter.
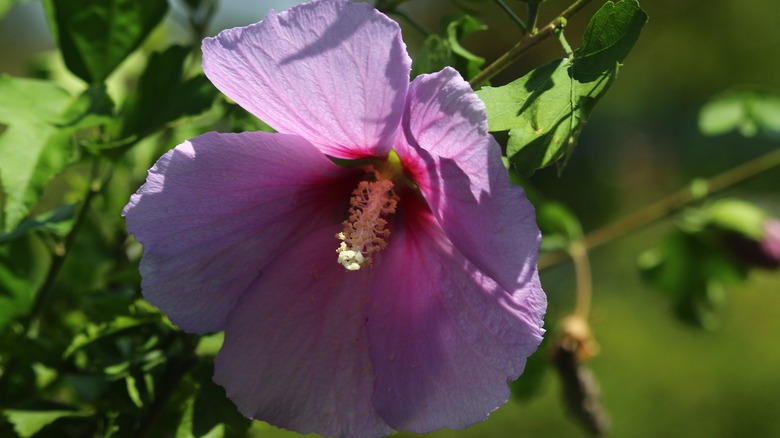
x: 365, y: 231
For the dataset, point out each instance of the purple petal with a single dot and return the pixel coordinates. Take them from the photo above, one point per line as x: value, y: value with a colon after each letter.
x: 332, y: 71
x: 295, y: 352
x: 445, y: 339
x: 457, y: 165
x: 217, y: 209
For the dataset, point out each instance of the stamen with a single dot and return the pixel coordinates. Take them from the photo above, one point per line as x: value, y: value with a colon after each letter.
x: 364, y: 232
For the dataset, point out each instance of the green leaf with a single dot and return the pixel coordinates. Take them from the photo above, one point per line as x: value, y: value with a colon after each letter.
x: 545, y: 110
x: 96, y: 36
x: 31, y: 109
x: 24, y: 263
x: 28, y: 423
x: 132, y: 391
x: 750, y: 112
x: 467, y: 63
x: 736, y: 215
x: 164, y: 95
x: 185, y: 425
x: 438, y: 51
x: 434, y: 55
x: 610, y: 35
x: 558, y: 224
x: 95, y: 332
x: 209, y: 345
x: 45, y: 125
x: 214, y: 413
x: 6, y: 6
x: 691, y: 270
x: 58, y: 222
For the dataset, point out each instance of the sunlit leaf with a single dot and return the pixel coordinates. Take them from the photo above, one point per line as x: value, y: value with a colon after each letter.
x: 58, y: 222
x: 28, y: 423
x: 96, y: 36
x: 209, y: 345
x: 132, y: 391
x: 94, y: 333
x: 31, y: 109
x: 44, y: 127
x: 6, y: 6
x: 545, y: 110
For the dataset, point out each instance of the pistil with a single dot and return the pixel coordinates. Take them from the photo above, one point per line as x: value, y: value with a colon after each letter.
x: 365, y: 232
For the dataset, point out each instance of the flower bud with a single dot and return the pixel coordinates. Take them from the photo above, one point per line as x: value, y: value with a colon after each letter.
x: 747, y: 232
x: 770, y: 244
x: 763, y: 252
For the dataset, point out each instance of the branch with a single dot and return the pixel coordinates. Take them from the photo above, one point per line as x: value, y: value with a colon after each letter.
x: 668, y: 205
x: 526, y: 43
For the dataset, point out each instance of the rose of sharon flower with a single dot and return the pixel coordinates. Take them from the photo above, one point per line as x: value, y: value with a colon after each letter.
x: 399, y: 292
x: 756, y: 251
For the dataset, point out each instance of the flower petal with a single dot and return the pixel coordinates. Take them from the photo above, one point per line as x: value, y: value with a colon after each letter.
x: 217, y: 209
x: 295, y: 352
x: 448, y: 152
x: 332, y: 71
x: 444, y: 338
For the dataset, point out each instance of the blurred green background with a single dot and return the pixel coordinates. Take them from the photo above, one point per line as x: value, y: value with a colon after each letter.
x: 659, y: 377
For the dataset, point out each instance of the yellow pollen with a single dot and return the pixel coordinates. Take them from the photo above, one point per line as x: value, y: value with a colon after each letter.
x: 364, y: 232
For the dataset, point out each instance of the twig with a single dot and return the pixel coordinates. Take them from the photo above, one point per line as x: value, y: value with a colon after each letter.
x: 526, y: 43
x: 512, y: 15
x: 667, y: 205
x: 533, y: 15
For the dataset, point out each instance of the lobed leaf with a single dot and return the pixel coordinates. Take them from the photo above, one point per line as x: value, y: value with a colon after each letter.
x: 545, y: 110
x: 44, y: 123
x: 30, y: 158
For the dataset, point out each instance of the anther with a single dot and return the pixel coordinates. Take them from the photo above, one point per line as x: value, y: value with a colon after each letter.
x: 365, y: 231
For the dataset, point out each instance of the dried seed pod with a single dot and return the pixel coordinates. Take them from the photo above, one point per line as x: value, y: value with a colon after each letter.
x: 581, y: 393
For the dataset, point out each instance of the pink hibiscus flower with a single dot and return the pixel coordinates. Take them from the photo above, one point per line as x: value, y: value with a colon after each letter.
x: 397, y: 293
